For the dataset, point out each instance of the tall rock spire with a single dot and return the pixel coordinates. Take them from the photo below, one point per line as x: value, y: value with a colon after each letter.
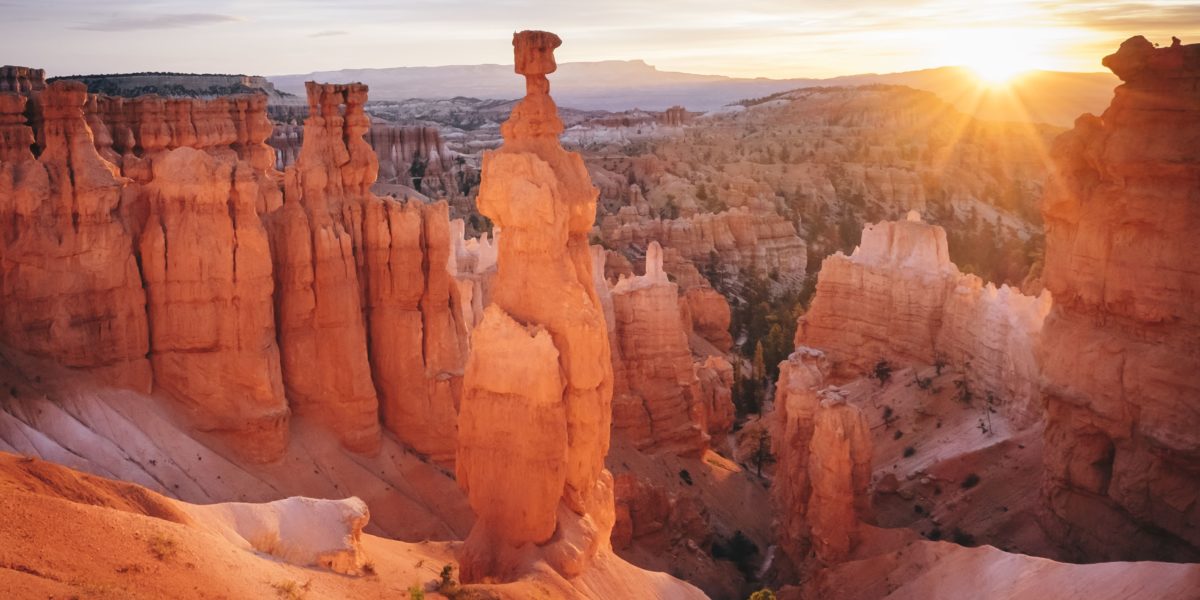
x: 536, y: 407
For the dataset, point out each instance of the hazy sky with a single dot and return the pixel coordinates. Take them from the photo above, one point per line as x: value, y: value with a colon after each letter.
x: 772, y: 38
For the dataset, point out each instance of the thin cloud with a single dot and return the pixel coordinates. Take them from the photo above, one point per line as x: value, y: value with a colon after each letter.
x: 1129, y: 17
x: 328, y: 33
x: 172, y: 21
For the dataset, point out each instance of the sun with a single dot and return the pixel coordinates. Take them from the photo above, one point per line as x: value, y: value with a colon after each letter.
x: 995, y: 73
x: 994, y: 55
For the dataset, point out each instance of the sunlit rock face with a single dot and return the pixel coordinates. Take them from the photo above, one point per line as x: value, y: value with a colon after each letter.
x: 206, y: 264
x: 368, y: 321
x: 538, y: 386
x: 657, y: 402
x: 70, y: 287
x: 824, y: 452
x: 152, y: 245
x: 899, y: 298
x: 1120, y: 351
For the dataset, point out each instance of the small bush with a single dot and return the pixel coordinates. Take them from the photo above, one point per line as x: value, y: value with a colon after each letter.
x: 685, y: 476
x: 925, y: 383
x: 290, y: 590
x: 899, y: 434
x: 162, y: 547
x: 739, y: 549
x: 416, y: 593
x: 970, y: 481
x: 889, y: 416
x: 882, y: 371
x: 909, y: 451
x: 962, y: 538
x: 917, y: 508
x: 935, y: 534
x: 763, y: 594
x: 447, y: 586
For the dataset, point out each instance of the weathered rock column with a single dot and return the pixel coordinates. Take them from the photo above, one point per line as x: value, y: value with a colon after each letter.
x: 1120, y: 353
x: 824, y: 451
x: 536, y: 407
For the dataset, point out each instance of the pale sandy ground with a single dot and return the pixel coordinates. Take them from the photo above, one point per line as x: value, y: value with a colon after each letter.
x: 948, y: 446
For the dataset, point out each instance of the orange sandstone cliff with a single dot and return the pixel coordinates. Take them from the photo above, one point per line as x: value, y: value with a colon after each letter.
x: 151, y: 244
x: 1121, y: 348
x: 899, y: 298
x: 69, y: 280
x: 657, y: 403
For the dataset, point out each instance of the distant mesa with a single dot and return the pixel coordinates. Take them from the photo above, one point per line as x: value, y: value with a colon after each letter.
x: 186, y: 85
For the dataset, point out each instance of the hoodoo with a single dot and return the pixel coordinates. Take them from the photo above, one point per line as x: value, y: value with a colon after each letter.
x: 535, y: 412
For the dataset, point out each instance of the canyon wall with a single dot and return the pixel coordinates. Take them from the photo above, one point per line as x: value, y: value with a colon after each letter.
x: 1121, y: 348
x: 899, y: 298
x: 21, y: 80
x: 70, y: 286
x: 154, y: 244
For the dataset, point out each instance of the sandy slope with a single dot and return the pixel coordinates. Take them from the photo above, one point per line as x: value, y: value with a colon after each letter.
x: 71, y: 535
x: 65, y: 417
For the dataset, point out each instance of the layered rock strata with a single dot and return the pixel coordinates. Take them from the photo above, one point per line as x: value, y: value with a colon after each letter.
x: 740, y: 240
x: 899, y: 298
x: 538, y: 386
x: 823, y: 447
x: 657, y: 403
x: 1120, y: 350
x: 21, y: 80
x: 151, y: 242
x: 354, y: 268
x: 70, y: 286
x: 206, y: 266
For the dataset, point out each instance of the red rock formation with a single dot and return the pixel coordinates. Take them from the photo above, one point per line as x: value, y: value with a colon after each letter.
x: 824, y: 453
x: 417, y: 328
x: 715, y: 375
x: 69, y: 282
x: 212, y: 339
x: 1120, y: 353
x: 346, y: 268
x: 675, y: 116
x: 21, y: 80
x: 709, y: 316
x: 898, y: 297
x: 738, y: 239
x: 16, y: 138
x: 545, y: 321
x: 656, y: 400
x: 322, y: 335
x: 412, y: 155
